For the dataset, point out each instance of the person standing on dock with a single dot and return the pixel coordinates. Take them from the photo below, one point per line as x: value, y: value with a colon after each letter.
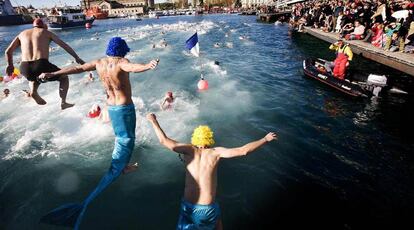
x: 34, y: 44
x: 343, y: 56
x: 113, y: 71
x: 338, y: 11
x: 199, y: 209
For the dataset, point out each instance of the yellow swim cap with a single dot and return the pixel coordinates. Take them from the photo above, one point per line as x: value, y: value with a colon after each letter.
x: 202, y: 136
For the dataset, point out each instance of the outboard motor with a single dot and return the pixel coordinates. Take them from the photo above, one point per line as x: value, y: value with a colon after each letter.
x: 375, y: 83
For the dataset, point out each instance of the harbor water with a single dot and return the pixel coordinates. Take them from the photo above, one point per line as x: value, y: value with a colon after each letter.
x: 339, y: 163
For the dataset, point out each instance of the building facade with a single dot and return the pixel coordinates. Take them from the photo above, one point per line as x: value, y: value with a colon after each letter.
x: 126, y: 3
x: 254, y: 3
x: 118, y: 7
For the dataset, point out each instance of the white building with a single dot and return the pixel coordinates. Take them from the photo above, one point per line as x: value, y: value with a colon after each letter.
x: 254, y: 3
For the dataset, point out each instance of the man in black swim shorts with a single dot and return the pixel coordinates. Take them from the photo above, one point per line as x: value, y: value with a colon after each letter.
x: 34, y: 44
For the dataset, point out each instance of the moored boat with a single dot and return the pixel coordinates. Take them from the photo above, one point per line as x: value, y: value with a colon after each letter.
x: 96, y: 12
x: 68, y: 18
x: 155, y: 14
x: 9, y: 17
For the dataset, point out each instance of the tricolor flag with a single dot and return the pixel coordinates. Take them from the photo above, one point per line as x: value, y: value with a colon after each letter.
x: 192, y: 45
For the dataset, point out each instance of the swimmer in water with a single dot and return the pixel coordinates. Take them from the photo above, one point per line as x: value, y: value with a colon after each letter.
x: 168, y: 101
x: 89, y: 78
x: 94, y: 111
x: 199, y: 208
x: 113, y: 71
x: 6, y: 93
x: 163, y: 43
x: 216, y: 45
x: 100, y: 114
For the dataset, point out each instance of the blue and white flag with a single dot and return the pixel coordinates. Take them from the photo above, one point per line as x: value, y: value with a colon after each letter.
x: 192, y: 45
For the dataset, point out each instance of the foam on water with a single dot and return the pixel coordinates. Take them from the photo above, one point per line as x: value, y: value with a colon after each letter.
x: 258, y: 87
x: 55, y: 132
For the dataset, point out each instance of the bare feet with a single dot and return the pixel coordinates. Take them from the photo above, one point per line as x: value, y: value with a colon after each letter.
x: 66, y: 105
x: 130, y: 168
x: 35, y: 97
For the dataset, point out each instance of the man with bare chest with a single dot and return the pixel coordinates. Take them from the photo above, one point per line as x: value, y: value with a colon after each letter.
x: 199, y: 209
x: 34, y: 44
x: 114, y: 73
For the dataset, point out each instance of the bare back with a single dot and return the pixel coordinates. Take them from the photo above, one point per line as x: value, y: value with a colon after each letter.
x: 35, y: 44
x: 115, y: 80
x: 201, y: 176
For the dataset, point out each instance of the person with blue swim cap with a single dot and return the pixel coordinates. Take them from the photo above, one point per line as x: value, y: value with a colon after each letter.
x: 199, y: 209
x: 113, y: 71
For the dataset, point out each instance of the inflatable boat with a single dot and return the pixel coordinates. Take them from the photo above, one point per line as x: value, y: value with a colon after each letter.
x: 371, y: 86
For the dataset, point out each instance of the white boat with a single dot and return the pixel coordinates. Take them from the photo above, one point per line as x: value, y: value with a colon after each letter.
x: 155, y: 14
x: 67, y: 18
x: 133, y: 17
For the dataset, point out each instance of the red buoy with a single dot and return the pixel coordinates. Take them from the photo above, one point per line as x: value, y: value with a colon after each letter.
x: 202, y: 84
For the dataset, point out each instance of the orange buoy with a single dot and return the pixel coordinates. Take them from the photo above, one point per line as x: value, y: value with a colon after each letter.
x: 202, y: 84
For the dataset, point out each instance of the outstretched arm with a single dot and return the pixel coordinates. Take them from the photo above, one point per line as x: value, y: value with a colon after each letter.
x: 166, y: 141
x: 90, y: 66
x: 245, y: 149
x: 9, y: 55
x: 162, y: 104
x: 136, y: 68
x: 66, y: 47
x: 333, y: 46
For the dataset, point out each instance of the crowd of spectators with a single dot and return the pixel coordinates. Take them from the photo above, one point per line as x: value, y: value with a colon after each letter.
x: 388, y: 25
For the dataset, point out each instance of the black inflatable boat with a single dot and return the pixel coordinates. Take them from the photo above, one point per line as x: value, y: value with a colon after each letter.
x: 315, y: 68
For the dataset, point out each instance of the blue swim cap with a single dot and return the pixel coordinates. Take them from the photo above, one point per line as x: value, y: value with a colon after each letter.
x: 117, y: 47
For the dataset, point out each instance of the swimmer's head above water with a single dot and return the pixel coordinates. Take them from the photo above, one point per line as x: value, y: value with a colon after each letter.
x: 6, y: 92
x: 202, y: 136
x: 117, y: 47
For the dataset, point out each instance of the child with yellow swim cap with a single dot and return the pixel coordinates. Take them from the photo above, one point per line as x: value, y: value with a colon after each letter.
x: 199, y: 210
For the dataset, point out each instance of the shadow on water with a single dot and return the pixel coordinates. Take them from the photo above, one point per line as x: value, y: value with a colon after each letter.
x: 307, y: 205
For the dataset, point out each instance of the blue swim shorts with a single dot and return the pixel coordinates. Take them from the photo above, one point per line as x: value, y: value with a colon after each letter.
x: 197, y: 216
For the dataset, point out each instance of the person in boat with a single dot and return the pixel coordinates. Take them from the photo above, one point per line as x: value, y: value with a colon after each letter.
x: 168, y: 101
x: 199, y: 209
x: 343, y: 56
x: 113, y: 71
x: 34, y: 44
